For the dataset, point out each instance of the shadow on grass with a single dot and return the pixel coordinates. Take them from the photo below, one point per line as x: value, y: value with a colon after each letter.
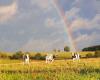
x: 81, y: 71
x: 86, y: 71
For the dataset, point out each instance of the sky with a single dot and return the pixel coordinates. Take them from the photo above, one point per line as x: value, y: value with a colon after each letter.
x: 36, y: 25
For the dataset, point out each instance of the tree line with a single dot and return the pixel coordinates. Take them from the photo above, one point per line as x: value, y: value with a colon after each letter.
x: 59, y: 54
x: 92, y: 48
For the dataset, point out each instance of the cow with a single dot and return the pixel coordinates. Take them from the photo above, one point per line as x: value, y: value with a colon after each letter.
x: 76, y: 56
x: 26, y: 59
x: 49, y: 58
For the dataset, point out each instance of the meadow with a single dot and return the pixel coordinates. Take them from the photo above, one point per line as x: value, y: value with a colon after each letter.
x: 85, y: 69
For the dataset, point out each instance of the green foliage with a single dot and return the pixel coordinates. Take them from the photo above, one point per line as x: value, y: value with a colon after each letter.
x: 17, y: 55
x: 4, y: 55
x: 92, y: 48
x: 39, y: 56
x: 66, y: 48
x: 55, y: 50
x: 42, y: 55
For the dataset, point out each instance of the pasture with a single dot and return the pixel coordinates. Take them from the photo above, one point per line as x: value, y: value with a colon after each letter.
x: 85, y: 69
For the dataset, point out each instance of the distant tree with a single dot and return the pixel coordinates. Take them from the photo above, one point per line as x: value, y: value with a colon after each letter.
x: 27, y: 52
x: 3, y: 55
x: 39, y: 56
x: 66, y: 48
x: 17, y: 55
x: 55, y: 50
x: 92, y: 48
x: 58, y: 50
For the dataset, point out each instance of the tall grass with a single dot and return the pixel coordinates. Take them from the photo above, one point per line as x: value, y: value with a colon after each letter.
x: 85, y: 69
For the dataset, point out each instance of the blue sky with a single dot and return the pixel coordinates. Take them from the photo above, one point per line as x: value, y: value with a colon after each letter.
x: 35, y: 25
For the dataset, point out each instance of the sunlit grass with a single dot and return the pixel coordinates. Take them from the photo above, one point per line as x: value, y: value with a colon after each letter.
x: 85, y: 69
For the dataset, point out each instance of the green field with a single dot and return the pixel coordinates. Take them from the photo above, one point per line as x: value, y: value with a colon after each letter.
x: 85, y: 69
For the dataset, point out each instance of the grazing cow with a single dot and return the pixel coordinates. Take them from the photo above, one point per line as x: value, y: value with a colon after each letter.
x: 26, y: 59
x: 49, y: 58
x: 76, y: 56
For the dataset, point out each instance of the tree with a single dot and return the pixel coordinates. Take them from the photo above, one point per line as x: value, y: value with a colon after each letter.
x: 3, y: 55
x: 17, y: 55
x: 55, y: 50
x: 66, y: 48
x: 39, y: 56
x: 92, y: 48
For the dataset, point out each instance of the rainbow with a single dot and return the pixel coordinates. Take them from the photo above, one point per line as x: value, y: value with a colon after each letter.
x: 67, y: 27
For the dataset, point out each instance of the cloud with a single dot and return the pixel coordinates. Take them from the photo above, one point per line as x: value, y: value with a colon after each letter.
x: 54, y: 23
x: 34, y: 45
x: 95, y: 4
x: 95, y: 22
x: 81, y: 23
x: 44, y: 24
x: 72, y: 13
x: 49, y: 22
x: 6, y: 12
x: 43, y: 44
x: 21, y: 32
x: 77, y: 22
x: 4, y: 43
x: 42, y: 4
x: 77, y: 2
x: 82, y: 38
x: 86, y: 40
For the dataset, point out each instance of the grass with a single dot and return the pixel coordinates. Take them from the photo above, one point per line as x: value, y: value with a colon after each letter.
x: 85, y: 69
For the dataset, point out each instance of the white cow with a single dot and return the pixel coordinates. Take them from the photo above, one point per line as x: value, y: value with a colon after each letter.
x: 76, y: 56
x: 49, y: 58
x: 26, y: 59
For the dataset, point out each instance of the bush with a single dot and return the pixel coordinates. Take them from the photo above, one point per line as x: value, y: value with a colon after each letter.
x: 97, y: 54
x: 38, y: 56
x: 66, y: 49
x: 17, y: 55
x: 89, y: 55
x: 3, y: 55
